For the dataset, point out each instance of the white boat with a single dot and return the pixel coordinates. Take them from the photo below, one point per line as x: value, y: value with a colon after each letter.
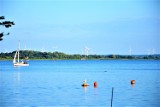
x: 16, y: 61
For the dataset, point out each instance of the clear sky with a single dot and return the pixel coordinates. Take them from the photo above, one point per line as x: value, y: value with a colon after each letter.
x: 104, y: 26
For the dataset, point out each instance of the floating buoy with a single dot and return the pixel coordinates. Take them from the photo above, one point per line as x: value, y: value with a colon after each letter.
x: 133, y: 81
x: 85, y: 83
x: 95, y: 84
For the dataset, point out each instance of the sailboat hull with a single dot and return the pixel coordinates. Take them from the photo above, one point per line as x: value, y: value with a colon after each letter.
x: 21, y: 64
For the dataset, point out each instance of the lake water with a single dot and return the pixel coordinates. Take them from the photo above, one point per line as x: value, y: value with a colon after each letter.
x: 58, y: 83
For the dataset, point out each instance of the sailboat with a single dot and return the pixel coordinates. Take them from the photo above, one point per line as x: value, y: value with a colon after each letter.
x: 16, y: 61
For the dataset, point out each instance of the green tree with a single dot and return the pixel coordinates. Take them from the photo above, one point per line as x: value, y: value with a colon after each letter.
x: 6, y: 24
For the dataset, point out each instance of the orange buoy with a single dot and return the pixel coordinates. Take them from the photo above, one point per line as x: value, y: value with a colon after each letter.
x: 133, y: 81
x: 85, y: 83
x: 95, y: 84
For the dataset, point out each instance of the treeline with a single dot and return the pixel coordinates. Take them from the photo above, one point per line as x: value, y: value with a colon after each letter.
x: 59, y: 55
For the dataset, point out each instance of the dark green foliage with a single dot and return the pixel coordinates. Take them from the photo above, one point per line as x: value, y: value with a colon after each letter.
x: 6, y: 24
x: 2, y: 17
x: 24, y: 54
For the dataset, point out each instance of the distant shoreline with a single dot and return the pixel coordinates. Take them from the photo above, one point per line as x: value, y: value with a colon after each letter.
x: 76, y: 59
x: 37, y: 55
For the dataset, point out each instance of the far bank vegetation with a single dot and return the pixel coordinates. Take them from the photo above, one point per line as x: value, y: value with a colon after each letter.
x: 59, y: 55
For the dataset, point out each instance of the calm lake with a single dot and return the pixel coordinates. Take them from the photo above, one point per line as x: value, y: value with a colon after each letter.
x: 58, y: 83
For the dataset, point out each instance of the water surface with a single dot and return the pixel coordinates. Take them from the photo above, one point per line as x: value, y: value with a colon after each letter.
x: 58, y: 83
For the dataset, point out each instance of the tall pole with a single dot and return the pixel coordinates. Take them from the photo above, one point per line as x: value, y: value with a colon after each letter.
x: 112, y: 96
x: 18, y: 51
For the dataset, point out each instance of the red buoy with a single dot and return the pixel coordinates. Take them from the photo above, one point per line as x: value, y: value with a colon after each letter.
x: 133, y: 81
x: 95, y: 84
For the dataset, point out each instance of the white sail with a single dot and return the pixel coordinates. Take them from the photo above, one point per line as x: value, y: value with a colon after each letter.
x: 14, y: 60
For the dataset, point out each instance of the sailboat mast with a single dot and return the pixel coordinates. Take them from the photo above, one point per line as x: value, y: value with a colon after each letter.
x: 18, y: 51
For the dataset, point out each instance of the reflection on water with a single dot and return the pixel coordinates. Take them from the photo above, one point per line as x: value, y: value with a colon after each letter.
x: 17, y: 88
x: 133, y: 85
x: 85, y: 88
x: 95, y: 91
x: 17, y: 77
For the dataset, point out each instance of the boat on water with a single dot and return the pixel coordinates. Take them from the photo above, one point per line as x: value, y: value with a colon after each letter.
x: 16, y: 60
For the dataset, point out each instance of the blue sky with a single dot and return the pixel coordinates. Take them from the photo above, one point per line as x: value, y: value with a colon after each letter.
x: 104, y: 26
